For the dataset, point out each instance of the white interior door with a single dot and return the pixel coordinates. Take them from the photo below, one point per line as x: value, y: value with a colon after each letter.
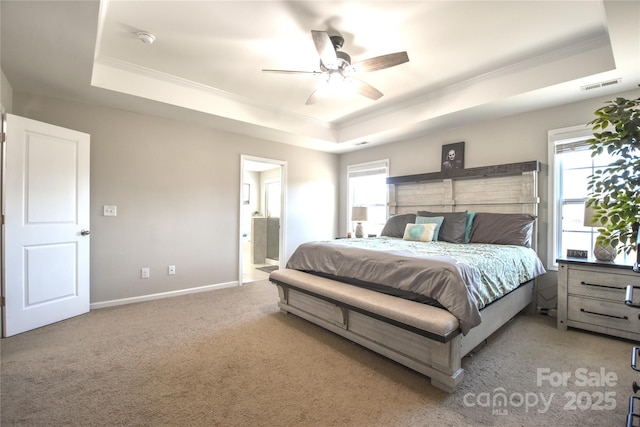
x: 46, y: 228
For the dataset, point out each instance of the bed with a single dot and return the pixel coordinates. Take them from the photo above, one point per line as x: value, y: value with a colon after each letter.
x: 455, y: 261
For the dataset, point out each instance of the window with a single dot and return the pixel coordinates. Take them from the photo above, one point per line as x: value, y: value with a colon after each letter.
x: 570, y: 165
x: 367, y: 187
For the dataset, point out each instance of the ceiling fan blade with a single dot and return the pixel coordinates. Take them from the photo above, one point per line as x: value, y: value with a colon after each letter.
x: 291, y: 71
x: 325, y: 49
x: 363, y: 88
x: 380, y: 62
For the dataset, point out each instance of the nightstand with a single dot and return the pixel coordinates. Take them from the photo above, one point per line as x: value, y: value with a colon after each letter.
x: 591, y: 296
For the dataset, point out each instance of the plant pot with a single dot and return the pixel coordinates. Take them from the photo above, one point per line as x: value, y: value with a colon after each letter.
x: 604, y: 253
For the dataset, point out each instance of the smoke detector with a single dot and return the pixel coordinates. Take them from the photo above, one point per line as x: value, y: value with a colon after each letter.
x: 146, y: 38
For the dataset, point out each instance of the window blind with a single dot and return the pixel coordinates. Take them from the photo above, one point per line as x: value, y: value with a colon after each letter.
x: 567, y: 146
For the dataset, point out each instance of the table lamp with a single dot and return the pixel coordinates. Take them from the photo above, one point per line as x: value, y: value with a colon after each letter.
x: 359, y: 214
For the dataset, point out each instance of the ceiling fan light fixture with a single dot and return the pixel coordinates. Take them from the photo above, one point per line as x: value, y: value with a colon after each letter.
x: 146, y: 38
x: 335, y: 79
x: 336, y: 67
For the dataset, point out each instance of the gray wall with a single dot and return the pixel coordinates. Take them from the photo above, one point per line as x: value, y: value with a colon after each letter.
x: 6, y: 94
x: 176, y: 186
x: 517, y: 138
x: 177, y: 189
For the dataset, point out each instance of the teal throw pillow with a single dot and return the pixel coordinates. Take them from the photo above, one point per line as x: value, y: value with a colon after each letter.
x: 467, y: 231
x: 437, y: 220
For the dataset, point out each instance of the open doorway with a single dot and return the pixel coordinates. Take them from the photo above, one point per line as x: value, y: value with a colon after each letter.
x: 262, y: 217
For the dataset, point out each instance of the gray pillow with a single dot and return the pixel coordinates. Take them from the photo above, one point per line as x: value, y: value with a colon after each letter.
x: 503, y: 229
x: 453, y: 227
x: 396, y: 224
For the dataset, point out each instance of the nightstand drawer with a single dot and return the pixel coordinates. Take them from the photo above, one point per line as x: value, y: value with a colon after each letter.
x: 603, y: 313
x: 595, y: 289
x: 600, y: 284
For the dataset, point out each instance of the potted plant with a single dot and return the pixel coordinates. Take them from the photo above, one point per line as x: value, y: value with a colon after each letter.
x: 615, y: 189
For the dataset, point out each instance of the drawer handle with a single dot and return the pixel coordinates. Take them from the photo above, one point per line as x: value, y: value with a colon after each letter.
x: 599, y: 286
x: 605, y: 315
x: 634, y: 365
x: 628, y: 300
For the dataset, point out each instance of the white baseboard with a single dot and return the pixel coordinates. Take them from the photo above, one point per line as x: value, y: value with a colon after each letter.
x: 124, y: 301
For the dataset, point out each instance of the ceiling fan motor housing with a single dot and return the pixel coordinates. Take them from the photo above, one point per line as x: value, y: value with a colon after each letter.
x: 344, y: 60
x: 337, y: 41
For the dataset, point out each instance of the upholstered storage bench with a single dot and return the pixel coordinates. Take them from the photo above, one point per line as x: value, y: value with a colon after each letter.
x: 424, y: 338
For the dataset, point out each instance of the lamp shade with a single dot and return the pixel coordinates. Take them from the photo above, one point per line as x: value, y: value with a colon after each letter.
x: 359, y: 213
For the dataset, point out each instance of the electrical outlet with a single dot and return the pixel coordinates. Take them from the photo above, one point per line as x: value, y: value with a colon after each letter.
x: 145, y: 273
x: 110, y: 210
x: 172, y: 269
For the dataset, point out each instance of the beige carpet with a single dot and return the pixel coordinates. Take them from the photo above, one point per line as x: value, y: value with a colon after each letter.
x: 229, y: 358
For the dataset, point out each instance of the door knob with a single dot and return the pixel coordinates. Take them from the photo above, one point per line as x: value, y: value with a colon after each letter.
x: 85, y: 232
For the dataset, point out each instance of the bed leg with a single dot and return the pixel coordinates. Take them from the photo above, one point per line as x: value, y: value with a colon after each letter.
x: 533, y: 306
x: 442, y: 386
x: 283, y: 293
x: 448, y: 383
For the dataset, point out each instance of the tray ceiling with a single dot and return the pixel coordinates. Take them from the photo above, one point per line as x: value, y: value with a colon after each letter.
x: 469, y: 60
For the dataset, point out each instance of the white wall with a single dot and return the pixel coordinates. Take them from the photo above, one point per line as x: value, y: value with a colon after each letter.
x: 177, y: 189
x: 517, y: 138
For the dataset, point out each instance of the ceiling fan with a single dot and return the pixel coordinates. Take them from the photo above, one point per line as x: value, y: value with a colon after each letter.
x: 336, y: 66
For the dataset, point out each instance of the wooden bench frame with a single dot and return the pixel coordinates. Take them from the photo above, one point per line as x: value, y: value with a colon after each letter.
x: 435, y: 350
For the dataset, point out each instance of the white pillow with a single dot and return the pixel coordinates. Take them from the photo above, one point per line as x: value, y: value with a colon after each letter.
x: 419, y: 232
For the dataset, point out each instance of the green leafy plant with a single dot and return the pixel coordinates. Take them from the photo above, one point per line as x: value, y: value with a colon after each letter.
x: 615, y: 189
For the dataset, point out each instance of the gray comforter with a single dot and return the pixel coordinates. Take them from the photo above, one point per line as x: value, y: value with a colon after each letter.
x: 463, y: 278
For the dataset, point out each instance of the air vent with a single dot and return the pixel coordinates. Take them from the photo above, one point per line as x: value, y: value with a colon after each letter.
x: 599, y: 85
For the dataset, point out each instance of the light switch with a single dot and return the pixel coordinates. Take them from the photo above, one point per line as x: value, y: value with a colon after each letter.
x: 110, y: 210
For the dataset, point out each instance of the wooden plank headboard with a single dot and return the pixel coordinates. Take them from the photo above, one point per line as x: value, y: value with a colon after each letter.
x: 509, y: 188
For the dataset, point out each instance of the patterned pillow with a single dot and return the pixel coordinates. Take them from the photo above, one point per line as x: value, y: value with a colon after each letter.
x: 419, y: 232
x: 437, y: 220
